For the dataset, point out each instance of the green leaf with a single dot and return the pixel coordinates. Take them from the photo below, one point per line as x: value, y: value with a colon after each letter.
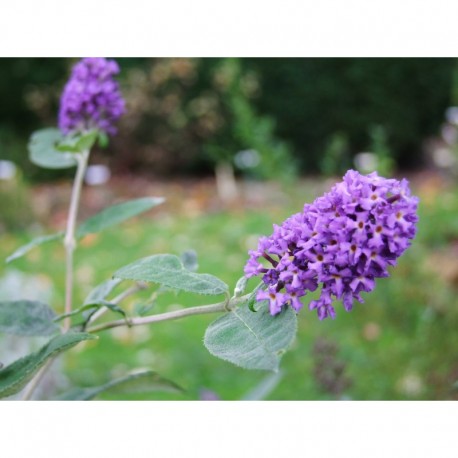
x: 68, y: 145
x: 140, y: 382
x: 15, y: 376
x: 90, y: 309
x: 168, y: 270
x: 100, y: 292
x: 252, y: 340
x: 91, y: 306
x: 43, y: 152
x: 86, y: 141
x: 116, y: 214
x: 77, y: 143
x: 251, y: 302
x: 103, y: 139
x: 113, y: 307
x: 67, y: 148
x: 27, y: 318
x: 97, y: 296
x: 21, y: 251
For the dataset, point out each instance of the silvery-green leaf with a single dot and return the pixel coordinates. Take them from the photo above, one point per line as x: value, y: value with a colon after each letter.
x: 113, y: 307
x: 21, y: 251
x: 100, y: 292
x: 117, y: 214
x: 95, y: 298
x: 16, y: 375
x: 43, y: 152
x: 27, y: 318
x: 168, y: 270
x: 252, y: 340
x: 91, y: 307
x: 140, y: 382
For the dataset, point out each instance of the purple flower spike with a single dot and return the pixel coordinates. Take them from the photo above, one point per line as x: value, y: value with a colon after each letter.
x: 340, y: 243
x: 91, y: 98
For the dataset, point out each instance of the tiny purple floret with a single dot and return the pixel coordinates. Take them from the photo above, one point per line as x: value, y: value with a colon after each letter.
x: 340, y: 244
x: 91, y: 98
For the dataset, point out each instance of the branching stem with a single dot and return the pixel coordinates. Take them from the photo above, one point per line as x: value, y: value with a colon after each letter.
x: 224, y: 306
x: 116, y: 300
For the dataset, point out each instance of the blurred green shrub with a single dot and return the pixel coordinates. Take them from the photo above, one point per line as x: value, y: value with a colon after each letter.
x: 244, y: 130
x: 379, y: 156
x: 183, y: 112
x: 187, y: 115
x: 16, y: 212
x: 380, y: 147
x: 336, y: 158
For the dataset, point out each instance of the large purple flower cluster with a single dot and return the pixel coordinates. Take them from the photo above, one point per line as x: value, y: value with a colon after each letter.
x: 341, y: 243
x: 91, y: 98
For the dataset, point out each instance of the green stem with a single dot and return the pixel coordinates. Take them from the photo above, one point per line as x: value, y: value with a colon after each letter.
x: 224, y: 306
x: 69, y: 240
x: 70, y: 245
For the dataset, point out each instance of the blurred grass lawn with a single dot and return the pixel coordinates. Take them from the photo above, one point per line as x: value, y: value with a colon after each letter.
x: 401, y: 344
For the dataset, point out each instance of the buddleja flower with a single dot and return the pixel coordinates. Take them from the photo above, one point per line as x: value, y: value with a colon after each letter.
x: 341, y: 243
x: 91, y: 98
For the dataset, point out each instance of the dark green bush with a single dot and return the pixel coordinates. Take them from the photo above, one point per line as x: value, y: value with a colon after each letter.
x: 180, y: 110
x: 312, y: 99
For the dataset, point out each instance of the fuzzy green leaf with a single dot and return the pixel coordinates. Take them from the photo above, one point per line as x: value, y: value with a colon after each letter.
x: 27, y: 318
x: 21, y: 251
x: 100, y: 292
x: 117, y: 214
x: 168, y: 270
x: 15, y: 376
x: 91, y: 307
x: 140, y: 382
x: 113, y: 307
x: 252, y: 340
x: 43, y: 151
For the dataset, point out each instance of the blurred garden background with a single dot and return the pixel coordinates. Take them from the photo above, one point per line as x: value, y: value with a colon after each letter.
x: 235, y: 145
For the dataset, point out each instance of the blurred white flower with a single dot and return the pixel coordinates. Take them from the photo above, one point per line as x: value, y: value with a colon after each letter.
x: 97, y: 175
x: 7, y: 170
x: 451, y: 114
x: 247, y: 159
x: 366, y: 162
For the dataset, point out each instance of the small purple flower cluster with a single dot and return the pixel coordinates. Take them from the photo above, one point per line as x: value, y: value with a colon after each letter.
x: 91, y: 98
x: 341, y: 242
